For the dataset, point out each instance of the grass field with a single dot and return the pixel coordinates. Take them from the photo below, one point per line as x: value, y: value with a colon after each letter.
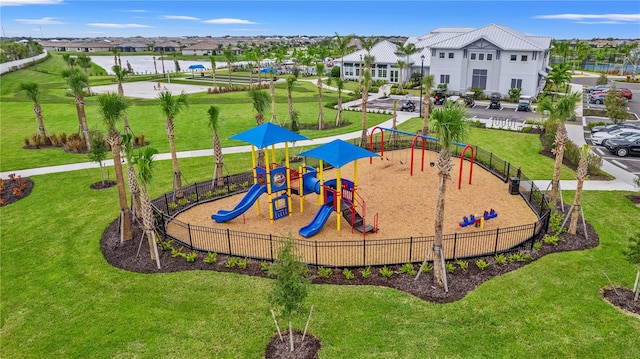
x: 60, y: 299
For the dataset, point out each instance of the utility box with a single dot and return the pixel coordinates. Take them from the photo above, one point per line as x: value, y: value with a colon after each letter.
x: 514, y: 185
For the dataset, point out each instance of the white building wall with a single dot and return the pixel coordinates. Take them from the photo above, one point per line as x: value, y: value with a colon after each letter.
x: 518, y: 69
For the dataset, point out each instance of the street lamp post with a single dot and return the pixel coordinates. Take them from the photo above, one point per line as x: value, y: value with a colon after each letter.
x: 421, y: 76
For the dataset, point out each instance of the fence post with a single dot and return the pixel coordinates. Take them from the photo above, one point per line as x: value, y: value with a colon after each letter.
x: 364, y: 253
x: 166, y: 204
x: 533, y: 235
x: 229, y: 240
x: 455, y: 243
x: 410, y: 249
x: 495, y: 249
x: 271, y: 246
x: 506, y: 178
x: 197, y: 195
x: 491, y: 160
x: 316, y: 248
x: 190, y: 241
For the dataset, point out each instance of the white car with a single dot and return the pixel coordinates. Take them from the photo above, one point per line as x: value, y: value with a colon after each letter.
x: 598, y: 137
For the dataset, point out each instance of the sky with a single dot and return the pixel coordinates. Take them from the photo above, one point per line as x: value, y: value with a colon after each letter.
x: 584, y: 19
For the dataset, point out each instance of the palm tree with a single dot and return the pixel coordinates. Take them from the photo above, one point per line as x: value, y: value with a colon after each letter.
x: 162, y: 59
x: 33, y: 91
x: 272, y: 92
x: 84, y: 62
x: 120, y: 75
x: 340, y: 87
x: 78, y: 82
x: 449, y: 125
x: 291, y: 80
x: 581, y: 50
x: 111, y: 107
x: 230, y: 57
x: 155, y: 66
x: 171, y: 107
x: 401, y: 66
x: 560, y: 112
x: 143, y: 162
x: 559, y: 76
x: 633, y: 59
x: 343, y: 47
x: 213, y: 69
x: 561, y: 49
x: 427, y: 82
x: 251, y: 57
x: 70, y: 61
x: 364, y: 139
x: 260, y: 101
x: 214, y: 123
x: 134, y: 186
x: 115, y: 56
x: 320, y: 71
x: 581, y: 175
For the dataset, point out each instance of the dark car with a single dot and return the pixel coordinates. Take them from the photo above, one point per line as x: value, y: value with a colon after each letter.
x: 597, y: 98
x: 608, y: 128
x: 613, y: 142
x: 597, y: 88
x: 624, y: 147
x: 495, y: 100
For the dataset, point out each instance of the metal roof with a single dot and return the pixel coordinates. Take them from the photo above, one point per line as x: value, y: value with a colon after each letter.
x: 501, y: 36
x: 383, y: 51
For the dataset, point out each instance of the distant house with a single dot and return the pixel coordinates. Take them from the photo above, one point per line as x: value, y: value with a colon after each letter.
x: 493, y: 58
x: 166, y: 46
x: 132, y: 47
x: 83, y: 46
x: 202, y: 48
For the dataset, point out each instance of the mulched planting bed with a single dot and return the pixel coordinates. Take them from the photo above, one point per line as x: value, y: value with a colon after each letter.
x: 14, y: 189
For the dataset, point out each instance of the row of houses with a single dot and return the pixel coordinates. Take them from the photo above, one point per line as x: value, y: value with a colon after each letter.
x: 494, y: 58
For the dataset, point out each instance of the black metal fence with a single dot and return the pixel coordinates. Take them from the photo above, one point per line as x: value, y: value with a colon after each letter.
x: 353, y: 253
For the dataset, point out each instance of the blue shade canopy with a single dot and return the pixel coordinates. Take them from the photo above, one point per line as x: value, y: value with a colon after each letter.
x: 197, y: 66
x: 268, y: 69
x: 267, y: 134
x: 338, y: 153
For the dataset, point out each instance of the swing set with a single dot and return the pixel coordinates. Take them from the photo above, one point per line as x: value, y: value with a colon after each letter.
x: 425, y: 140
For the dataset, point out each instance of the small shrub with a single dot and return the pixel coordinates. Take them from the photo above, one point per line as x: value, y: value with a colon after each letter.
x: 191, y: 257
x: 324, y: 272
x: 211, y: 258
x: 166, y: 245
x: 501, y: 259
x: 450, y: 267
x: 482, y: 264
x: 464, y: 265
x: 264, y: 266
x: 175, y: 252
x: 385, y: 272
x: 365, y: 273
x: 232, y: 262
x: 515, y: 257
x: 242, y: 263
x: 348, y: 274
x: 553, y: 240
x: 208, y: 194
x: 427, y: 268
x: 537, y: 246
x: 173, y: 205
x: 555, y: 221
x: 193, y: 197
x: 182, y: 201
x: 407, y: 268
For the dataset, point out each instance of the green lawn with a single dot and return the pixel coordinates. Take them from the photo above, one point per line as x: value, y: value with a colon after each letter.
x: 60, y: 299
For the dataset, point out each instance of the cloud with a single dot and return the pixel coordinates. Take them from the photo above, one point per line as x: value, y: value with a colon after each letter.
x: 228, y: 21
x: 29, y: 2
x: 43, y: 21
x: 179, y: 17
x: 117, y: 26
x: 600, y: 18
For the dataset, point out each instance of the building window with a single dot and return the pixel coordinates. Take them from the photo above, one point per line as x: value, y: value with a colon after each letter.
x: 516, y: 83
x: 433, y: 52
x: 534, y: 56
x: 489, y: 57
x: 473, y: 56
x: 497, y: 54
x: 382, y: 71
x: 464, y: 53
x: 394, y: 76
x: 480, y: 57
x: 444, y: 79
x: 451, y: 55
x: 441, y: 55
x: 514, y: 57
x: 479, y: 79
x: 357, y: 71
x: 523, y: 58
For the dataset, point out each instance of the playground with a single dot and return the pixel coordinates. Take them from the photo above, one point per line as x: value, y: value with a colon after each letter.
x: 385, y: 202
x: 405, y: 204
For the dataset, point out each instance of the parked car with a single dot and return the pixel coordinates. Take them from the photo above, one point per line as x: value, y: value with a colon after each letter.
x: 524, y: 103
x: 597, y: 88
x: 598, y: 137
x: 495, y: 100
x: 612, y: 127
x: 614, y: 142
x: 625, y: 147
x: 597, y: 98
x: 626, y: 93
x: 620, y: 137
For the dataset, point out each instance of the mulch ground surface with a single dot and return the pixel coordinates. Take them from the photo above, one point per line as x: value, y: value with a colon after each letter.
x: 15, y: 189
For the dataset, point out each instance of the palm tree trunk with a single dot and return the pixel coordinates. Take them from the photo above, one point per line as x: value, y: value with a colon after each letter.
x: 82, y: 117
x: 134, y: 189
x: 115, y: 142
x: 339, y: 121
x: 561, y: 137
x: 320, y: 113
x: 43, y: 133
x: 229, y: 68
x: 177, y: 180
x: 272, y: 90
x: 147, y: 223
x: 426, y: 102
x: 217, y: 152
x: 364, y: 139
x: 444, y: 169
